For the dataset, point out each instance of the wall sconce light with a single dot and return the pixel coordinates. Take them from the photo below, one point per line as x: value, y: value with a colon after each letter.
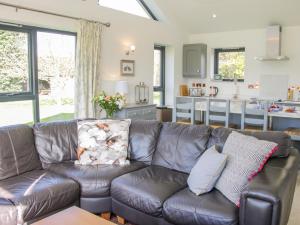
x: 131, y: 50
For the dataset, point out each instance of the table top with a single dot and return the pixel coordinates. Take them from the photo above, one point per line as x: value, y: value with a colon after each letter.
x: 73, y: 216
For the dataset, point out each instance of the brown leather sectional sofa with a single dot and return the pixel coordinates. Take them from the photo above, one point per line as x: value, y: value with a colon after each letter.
x: 38, y: 177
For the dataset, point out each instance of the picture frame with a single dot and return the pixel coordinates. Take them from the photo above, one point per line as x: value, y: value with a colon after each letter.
x: 127, y: 67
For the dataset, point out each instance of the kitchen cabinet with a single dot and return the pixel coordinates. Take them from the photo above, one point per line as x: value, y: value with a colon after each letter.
x: 195, y: 60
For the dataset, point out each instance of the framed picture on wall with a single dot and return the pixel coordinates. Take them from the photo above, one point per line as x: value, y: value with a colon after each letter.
x: 127, y: 67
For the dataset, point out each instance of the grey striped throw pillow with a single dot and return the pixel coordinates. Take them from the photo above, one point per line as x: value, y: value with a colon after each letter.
x: 246, y: 157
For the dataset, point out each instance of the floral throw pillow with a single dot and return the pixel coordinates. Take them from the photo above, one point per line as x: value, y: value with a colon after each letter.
x: 103, y: 142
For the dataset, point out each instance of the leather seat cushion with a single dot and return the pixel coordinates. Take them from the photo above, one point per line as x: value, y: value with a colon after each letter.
x: 38, y: 193
x: 8, y: 212
x: 180, y: 146
x: 147, y: 189
x: 208, y: 209
x: 94, y: 180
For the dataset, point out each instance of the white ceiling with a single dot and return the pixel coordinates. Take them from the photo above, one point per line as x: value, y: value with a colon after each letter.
x: 195, y: 16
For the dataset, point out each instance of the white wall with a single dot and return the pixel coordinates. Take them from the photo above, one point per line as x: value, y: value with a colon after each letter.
x: 125, y: 30
x: 255, y: 43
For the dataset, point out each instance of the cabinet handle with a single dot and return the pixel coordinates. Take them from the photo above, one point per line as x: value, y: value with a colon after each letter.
x: 198, y: 71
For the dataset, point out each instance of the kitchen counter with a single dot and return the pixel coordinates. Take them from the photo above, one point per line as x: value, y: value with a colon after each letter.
x: 277, y: 120
x: 235, y: 106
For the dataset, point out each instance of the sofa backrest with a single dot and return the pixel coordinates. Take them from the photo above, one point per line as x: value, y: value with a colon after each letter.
x: 142, y: 140
x: 179, y: 146
x: 220, y: 135
x: 17, y: 151
x: 56, y: 141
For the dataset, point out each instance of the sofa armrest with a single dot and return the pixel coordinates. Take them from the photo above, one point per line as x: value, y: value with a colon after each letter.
x: 269, y: 196
x: 8, y: 212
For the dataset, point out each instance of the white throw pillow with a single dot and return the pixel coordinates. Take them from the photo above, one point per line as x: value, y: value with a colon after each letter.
x: 103, y: 141
x: 246, y: 157
x: 206, y: 171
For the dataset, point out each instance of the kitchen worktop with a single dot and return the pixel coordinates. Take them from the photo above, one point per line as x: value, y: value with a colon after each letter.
x: 235, y: 106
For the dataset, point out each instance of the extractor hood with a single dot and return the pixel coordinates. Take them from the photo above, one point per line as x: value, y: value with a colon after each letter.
x: 273, y: 48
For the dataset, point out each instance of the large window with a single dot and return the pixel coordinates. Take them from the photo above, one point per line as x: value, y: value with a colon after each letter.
x: 56, y: 68
x: 14, y: 62
x: 135, y: 7
x: 36, y: 75
x: 230, y: 64
x: 159, y: 76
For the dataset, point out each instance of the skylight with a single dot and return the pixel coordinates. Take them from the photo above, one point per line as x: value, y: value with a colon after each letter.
x: 134, y: 7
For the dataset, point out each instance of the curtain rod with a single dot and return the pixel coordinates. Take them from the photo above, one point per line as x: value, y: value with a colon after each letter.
x: 50, y: 13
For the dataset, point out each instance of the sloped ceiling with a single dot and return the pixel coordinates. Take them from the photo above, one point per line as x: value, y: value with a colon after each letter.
x: 195, y: 16
x: 190, y: 16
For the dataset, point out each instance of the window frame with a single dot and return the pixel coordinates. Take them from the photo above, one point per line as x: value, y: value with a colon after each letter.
x: 147, y: 9
x: 33, y: 94
x: 217, y: 51
x: 161, y: 88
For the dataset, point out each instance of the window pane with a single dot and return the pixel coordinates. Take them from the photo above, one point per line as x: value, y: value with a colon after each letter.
x: 231, y: 65
x: 157, y: 68
x: 56, y: 63
x: 129, y: 6
x: 20, y: 112
x: 157, y: 98
x: 14, y: 72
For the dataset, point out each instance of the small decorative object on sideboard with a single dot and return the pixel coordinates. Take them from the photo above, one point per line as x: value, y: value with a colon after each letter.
x: 127, y: 67
x: 141, y: 93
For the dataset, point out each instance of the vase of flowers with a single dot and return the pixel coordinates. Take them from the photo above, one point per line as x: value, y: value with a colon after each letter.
x: 110, y: 103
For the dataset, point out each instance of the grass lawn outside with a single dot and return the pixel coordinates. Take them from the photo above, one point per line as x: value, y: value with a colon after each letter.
x: 22, y: 113
x: 58, y: 117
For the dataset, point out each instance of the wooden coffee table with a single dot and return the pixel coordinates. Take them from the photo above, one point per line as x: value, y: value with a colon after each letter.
x: 73, y: 216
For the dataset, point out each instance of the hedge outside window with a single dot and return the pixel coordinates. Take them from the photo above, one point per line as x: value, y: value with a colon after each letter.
x: 229, y: 64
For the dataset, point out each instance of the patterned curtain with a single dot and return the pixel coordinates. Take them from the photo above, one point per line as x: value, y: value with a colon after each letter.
x: 88, y: 56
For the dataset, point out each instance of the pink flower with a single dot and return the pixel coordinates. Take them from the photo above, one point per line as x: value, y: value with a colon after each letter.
x: 107, y: 98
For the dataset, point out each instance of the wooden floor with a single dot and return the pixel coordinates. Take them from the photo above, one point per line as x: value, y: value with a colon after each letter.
x: 295, y: 214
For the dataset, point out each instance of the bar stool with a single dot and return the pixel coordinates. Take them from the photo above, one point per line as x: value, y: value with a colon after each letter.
x: 217, y: 113
x: 184, y: 111
x: 254, y: 119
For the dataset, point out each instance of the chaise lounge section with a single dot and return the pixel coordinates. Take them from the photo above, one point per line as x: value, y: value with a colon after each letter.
x: 38, y: 177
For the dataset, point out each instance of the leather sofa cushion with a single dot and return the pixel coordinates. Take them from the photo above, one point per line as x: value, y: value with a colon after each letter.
x: 8, y: 212
x: 179, y: 146
x: 220, y: 135
x: 142, y: 139
x: 211, y: 208
x: 17, y: 151
x: 38, y: 193
x: 94, y: 180
x: 56, y: 141
x: 147, y: 189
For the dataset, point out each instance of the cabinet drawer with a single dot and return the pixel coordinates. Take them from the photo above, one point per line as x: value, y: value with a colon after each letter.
x: 149, y: 114
x: 135, y: 114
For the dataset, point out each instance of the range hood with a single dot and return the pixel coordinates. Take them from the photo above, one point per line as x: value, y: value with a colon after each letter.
x: 273, y: 48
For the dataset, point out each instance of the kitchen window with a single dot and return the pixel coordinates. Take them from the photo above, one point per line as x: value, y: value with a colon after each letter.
x: 229, y: 64
x: 159, y: 76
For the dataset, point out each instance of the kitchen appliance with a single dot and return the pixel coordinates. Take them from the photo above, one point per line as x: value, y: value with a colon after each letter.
x: 184, y: 90
x: 197, y: 90
x: 213, y: 91
x: 273, y: 48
